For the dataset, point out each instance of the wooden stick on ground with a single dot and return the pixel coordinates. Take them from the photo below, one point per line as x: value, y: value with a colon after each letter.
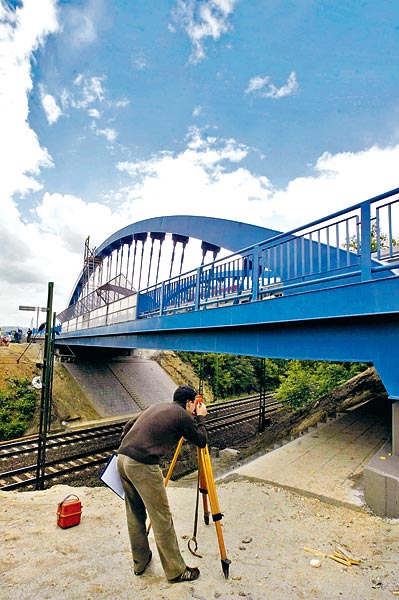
x: 316, y: 552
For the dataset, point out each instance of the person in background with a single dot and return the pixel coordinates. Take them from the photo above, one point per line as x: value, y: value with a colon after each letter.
x: 144, y: 441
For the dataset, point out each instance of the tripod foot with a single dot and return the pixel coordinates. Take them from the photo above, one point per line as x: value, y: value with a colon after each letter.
x: 225, y: 566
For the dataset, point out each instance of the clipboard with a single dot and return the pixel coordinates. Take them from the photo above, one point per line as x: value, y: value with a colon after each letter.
x: 110, y: 476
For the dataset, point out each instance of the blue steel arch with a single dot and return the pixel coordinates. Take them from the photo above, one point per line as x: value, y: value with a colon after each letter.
x: 225, y: 233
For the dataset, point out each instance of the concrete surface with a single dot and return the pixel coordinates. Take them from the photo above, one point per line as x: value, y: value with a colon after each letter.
x: 329, y: 461
x: 381, y: 483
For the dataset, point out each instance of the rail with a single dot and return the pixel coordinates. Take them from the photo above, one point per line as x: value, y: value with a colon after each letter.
x: 29, y: 444
x: 26, y: 476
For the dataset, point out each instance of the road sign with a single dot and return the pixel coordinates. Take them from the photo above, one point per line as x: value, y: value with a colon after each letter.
x: 35, y: 309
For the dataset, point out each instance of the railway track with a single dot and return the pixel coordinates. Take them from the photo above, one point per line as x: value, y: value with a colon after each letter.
x: 29, y: 444
x: 72, y: 451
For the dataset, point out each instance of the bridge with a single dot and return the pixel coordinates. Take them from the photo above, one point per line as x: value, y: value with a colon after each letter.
x: 326, y: 291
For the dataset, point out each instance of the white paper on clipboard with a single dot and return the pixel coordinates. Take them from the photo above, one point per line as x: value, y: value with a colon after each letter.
x: 110, y: 476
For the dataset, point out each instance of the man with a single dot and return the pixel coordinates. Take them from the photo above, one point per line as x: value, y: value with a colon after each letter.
x: 144, y: 441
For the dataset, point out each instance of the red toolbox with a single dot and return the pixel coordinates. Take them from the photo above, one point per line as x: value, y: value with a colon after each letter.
x: 69, y: 512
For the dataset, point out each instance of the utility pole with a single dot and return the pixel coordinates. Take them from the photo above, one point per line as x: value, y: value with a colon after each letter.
x: 262, y: 396
x: 45, y: 401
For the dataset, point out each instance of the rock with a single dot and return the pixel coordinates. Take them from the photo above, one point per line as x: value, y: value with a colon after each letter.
x: 228, y: 452
x: 315, y: 563
x: 246, y: 540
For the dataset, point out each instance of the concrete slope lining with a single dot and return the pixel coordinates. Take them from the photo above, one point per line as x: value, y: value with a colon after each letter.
x: 105, y: 392
x: 124, y: 385
x: 144, y: 379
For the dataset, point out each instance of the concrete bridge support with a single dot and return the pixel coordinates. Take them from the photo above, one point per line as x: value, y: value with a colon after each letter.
x: 381, y: 475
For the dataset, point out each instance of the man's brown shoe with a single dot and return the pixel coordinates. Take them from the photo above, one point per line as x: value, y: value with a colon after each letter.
x: 189, y: 574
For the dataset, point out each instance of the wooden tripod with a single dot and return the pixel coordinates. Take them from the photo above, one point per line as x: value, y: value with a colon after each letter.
x: 206, y: 485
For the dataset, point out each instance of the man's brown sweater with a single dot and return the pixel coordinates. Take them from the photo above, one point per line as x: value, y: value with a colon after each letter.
x: 158, y: 430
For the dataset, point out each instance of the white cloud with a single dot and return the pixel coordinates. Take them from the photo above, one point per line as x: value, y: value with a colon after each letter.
x: 108, y: 133
x: 79, y: 24
x: 203, y: 180
x: 263, y: 87
x: 121, y: 103
x: 90, y: 89
x: 89, y: 94
x: 140, y: 62
x: 339, y: 181
x: 72, y: 220
x: 21, y: 155
x: 203, y: 19
x: 50, y: 106
x: 208, y: 178
x: 49, y: 249
x: 94, y: 113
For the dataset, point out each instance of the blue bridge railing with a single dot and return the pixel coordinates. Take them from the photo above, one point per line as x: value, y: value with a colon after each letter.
x: 353, y: 245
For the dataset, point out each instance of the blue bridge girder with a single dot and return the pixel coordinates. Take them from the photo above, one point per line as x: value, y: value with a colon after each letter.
x: 326, y: 291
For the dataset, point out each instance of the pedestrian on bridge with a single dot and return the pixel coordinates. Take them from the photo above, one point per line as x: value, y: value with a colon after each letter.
x: 145, y: 440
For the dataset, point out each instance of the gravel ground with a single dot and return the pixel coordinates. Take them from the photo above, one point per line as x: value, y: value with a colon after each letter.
x: 265, y: 530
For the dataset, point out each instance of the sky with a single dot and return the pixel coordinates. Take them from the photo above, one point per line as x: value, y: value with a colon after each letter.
x: 272, y: 112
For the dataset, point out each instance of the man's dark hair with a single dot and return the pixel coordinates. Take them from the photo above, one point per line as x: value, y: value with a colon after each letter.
x: 183, y: 394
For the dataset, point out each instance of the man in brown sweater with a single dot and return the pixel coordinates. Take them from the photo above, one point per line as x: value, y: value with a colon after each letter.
x: 144, y: 440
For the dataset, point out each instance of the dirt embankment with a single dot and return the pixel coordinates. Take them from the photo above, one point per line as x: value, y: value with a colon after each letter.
x: 181, y: 372
x: 69, y: 401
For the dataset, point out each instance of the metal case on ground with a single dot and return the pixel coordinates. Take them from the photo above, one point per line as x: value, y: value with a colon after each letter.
x: 69, y: 512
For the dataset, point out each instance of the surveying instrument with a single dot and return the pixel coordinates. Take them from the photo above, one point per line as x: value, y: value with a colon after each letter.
x: 205, y: 486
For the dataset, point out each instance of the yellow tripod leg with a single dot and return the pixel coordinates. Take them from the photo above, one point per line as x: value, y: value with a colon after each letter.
x: 216, y: 514
x: 174, y: 459
x: 202, y: 486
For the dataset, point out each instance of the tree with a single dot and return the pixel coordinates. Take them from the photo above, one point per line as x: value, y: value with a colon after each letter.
x: 230, y: 375
x: 299, y: 386
x: 383, y: 240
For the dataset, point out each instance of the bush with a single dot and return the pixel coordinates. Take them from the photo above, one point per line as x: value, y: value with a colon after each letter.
x: 17, y: 406
x: 305, y: 381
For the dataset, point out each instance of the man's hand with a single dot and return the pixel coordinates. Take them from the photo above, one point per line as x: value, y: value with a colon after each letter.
x: 201, y: 409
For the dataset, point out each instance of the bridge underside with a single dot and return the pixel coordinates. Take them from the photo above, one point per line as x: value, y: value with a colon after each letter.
x: 265, y: 329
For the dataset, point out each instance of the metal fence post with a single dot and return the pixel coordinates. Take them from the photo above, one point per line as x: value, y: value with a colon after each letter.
x: 365, y: 243
x: 45, y: 400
